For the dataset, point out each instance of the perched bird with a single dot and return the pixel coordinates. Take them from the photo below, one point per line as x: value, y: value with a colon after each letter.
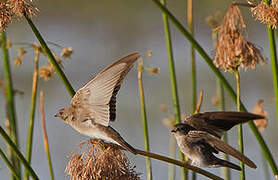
x: 94, y: 105
x: 198, y: 137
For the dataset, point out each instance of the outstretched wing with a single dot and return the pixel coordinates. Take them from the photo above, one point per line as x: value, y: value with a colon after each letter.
x: 216, y: 123
x: 98, y: 96
x: 219, y: 145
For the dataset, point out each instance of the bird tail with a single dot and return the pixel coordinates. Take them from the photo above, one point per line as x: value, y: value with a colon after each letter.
x: 128, y: 147
x: 228, y: 164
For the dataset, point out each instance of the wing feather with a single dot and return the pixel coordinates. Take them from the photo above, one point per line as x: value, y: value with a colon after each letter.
x: 99, y: 94
x: 218, y: 122
x: 219, y: 145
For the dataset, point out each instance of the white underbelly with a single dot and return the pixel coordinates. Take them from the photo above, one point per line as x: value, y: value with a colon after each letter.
x: 96, y: 134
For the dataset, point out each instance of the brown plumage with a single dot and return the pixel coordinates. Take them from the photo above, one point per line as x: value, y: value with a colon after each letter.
x: 94, y: 105
x: 216, y: 123
x: 198, y: 137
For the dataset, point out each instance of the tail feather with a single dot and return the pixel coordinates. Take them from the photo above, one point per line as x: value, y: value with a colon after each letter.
x: 228, y: 164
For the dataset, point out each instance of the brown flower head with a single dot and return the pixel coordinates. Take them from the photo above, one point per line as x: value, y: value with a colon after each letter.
x: 66, y: 52
x: 100, y: 161
x: 233, y: 50
x: 46, y: 72
x: 261, y: 124
x: 18, y: 59
x: 5, y: 16
x: 266, y: 14
x: 22, y: 7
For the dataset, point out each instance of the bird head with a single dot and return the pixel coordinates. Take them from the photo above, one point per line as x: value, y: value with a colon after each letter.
x: 181, y: 129
x: 65, y: 114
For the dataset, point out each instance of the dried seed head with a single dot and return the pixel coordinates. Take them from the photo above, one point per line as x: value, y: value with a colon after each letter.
x: 163, y: 108
x: 213, y: 21
x: 261, y: 124
x: 100, y: 161
x: 169, y: 122
x: 66, y: 52
x: 154, y: 70
x: 22, y: 7
x: 18, y: 61
x: 5, y: 16
x: 266, y: 14
x: 46, y: 72
x: 233, y: 50
x: 149, y: 53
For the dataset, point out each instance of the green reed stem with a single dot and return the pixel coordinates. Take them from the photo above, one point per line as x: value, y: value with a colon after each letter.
x: 10, y: 98
x: 225, y: 83
x: 225, y: 172
x: 18, y: 153
x: 178, y: 163
x: 51, y: 57
x: 193, y: 63
x: 240, y: 132
x: 273, y: 57
x: 45, y: 138
x: 10, y: 166
x: 144, y: 119
x: 32, y: 112
x: 172, y: 154
x: 173, y: 80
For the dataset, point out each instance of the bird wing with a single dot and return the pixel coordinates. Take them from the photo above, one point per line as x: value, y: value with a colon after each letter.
x: 98, y: 96
x: 216, y: 123
x: 219, y: 145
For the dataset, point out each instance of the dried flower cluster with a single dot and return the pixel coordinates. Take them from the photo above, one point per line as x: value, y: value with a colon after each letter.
x: 100, y: 161
x: 266, y: 14
x: 170, y: 120
x: 18, y: 59
x: 15, y: 8
x: 213, y: 21
x: 5, y: 16
x: 233, y: 50
x: 261, y: 124
x: 66, y: 52
x: 47, y: 71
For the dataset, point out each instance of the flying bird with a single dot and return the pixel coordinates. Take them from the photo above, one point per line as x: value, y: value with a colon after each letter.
x: 94, y: 105
x: 198, y: 137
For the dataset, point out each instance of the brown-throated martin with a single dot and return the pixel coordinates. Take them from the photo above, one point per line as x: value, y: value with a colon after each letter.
x: 94, y: 105
x: 198, y: 137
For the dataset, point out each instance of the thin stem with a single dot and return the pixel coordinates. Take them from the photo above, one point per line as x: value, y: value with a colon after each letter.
x: 11, y: 115
x: 193, y: 63
x: 178, y: 163
x: 32, y: 112
x: 18, y: 153
x: 45, y: 139
x: 225, y: 172
x: 225, y: 83
x: 173, y: 80
x: 144, y: 118
x: 51, y: 57
x: 172, y: 154
x: 9, y: 165
x: 265, y: 166
x: 273, y: 57
x: 240, y: 132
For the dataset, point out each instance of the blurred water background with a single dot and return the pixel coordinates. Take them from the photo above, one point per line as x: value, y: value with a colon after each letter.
x: 101, y: 32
